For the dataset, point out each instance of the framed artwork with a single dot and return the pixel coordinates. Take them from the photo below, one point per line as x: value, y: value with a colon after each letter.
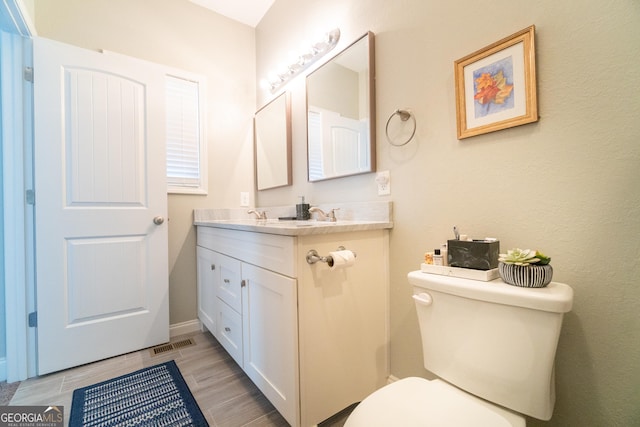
x: 496, y: 86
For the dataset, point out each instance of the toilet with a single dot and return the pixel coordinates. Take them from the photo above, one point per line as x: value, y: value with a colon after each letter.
x: 492, y: 347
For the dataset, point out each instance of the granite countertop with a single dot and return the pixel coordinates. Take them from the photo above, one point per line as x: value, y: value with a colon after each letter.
x: 294, y: 228
x: 350, y: 217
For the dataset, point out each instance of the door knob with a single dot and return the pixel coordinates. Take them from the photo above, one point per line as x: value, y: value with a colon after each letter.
x: 158, y: 220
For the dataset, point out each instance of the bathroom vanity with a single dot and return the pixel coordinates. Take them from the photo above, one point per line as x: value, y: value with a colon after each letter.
x: 312, y: 338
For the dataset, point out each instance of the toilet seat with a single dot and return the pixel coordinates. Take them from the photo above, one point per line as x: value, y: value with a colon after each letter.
x: 414, y: 402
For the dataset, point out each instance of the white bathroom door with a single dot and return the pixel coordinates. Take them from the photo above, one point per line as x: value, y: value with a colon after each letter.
x: 101, y: 204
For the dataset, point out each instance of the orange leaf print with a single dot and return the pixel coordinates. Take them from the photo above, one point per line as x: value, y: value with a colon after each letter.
x: 492, y: 88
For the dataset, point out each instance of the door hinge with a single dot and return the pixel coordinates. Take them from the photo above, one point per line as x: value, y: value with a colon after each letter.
x: 28, y: 74
x: 33, y: 319
x: 30, y: 196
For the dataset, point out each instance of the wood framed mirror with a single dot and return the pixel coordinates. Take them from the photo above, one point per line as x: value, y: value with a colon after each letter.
x: 341, y: 113
x: 272, y: 143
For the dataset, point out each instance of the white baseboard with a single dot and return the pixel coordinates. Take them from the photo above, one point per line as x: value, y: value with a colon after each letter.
x: 3, y: 369
x: 184, y: 328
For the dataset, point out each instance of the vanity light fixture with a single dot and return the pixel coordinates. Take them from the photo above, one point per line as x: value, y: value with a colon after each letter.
x: 304, y: 60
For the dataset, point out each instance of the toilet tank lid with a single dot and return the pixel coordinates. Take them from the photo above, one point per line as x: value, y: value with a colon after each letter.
x: 555, y: 297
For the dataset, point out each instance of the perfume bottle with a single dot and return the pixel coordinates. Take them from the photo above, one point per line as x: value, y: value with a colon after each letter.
x: 437, y: 257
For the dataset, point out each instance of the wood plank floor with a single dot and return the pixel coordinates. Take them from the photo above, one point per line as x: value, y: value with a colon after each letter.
x: 226, y: 396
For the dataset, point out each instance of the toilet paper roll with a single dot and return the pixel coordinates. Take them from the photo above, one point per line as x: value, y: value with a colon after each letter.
x: 341, y: 259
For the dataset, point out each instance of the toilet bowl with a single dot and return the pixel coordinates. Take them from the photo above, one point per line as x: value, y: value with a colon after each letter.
x: 492, y: 347
x: 417, y: 402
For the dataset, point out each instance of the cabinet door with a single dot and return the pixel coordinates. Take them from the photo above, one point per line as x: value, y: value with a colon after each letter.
x: 270, y: 337
x: 229, y: 285
x: 208, y: 276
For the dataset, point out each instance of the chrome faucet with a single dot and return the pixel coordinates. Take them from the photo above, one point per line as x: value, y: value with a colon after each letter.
x: 331, y: 216
x: 258, y: 214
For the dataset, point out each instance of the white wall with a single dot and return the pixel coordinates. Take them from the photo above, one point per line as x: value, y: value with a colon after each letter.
x: 567, y: 185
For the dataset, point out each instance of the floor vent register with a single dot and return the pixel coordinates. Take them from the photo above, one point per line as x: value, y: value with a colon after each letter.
x: 171, y: 346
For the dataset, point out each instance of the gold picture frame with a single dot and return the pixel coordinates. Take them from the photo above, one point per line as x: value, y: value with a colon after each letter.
x: 496, y: 86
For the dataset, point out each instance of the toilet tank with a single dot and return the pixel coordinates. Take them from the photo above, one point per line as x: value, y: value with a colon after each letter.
x: 491, y: 339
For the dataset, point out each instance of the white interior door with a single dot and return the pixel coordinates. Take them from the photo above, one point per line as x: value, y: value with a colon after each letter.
x: 101, y: 259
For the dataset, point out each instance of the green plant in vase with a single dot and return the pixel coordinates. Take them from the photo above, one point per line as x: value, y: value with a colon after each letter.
x: 525, y: 267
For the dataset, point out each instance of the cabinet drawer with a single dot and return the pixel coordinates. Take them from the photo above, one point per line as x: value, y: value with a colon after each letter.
x: 271, y: 251
x: 230, y: 331
x: 229, y: 287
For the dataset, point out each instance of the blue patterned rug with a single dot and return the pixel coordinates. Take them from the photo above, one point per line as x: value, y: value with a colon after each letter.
x: 154, y: 396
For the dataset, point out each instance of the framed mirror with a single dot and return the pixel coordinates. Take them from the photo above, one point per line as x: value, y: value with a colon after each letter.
x: 272, y: 143
x: 341, y: 114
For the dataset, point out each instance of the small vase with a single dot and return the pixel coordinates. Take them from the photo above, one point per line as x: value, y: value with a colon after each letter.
x: 526, y: 276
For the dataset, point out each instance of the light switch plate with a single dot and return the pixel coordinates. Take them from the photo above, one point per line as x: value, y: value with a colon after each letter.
x: 384, y: 183
x: 244, y: 199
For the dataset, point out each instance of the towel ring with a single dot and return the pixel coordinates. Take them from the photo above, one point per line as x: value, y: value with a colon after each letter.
x: 404, y: 116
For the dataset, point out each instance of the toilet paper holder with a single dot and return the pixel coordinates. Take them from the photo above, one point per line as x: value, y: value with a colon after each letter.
x: 313, y: 256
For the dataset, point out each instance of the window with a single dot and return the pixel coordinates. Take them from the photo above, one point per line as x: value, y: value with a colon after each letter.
x: 186, y: 145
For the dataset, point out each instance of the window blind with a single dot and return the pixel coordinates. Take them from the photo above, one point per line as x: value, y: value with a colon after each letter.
x: 184, y: 157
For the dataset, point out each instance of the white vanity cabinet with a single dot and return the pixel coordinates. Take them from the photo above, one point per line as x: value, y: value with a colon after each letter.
x: 255, y: 308
x: 313, y: 339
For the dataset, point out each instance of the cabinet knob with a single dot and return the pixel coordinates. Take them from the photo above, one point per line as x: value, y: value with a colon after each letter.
x: 227, y: 329
x: 226, y: 280
x: 243, y: 283
x: 213, y: 266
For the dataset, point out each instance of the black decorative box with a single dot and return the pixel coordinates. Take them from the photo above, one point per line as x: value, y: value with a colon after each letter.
x: 477, y: 254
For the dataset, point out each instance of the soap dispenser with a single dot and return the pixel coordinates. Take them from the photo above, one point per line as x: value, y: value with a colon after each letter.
x: 302, y: 210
